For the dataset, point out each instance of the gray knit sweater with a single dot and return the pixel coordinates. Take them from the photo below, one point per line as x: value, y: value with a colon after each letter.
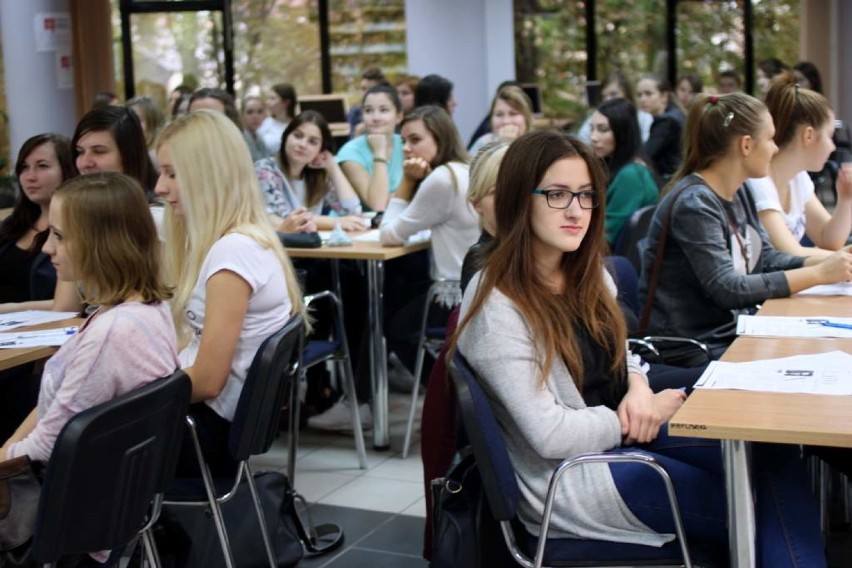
x: 544, y: 424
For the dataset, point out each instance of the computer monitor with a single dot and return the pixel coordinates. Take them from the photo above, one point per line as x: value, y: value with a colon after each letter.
x: 334, y: 108
x: 533, y: 91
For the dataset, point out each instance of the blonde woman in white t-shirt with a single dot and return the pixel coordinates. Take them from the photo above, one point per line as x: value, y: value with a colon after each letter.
x: 785, y: 200
x: 234, y: 285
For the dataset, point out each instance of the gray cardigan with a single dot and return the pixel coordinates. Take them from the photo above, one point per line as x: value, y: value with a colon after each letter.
x: 701, y: 291
x: 544, y: 424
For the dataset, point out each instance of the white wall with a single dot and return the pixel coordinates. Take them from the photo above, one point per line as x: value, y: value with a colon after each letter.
x: 470, y: 42
x: 34, y: 101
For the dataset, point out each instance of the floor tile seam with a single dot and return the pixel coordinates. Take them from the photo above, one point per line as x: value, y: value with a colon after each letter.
x: 391, y: 552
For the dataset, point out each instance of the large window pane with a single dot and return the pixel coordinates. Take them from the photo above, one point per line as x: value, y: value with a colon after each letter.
x: 550, y: 50
x: 365, y: 33
x: 276, y: 42
x: 710, y: 39
x: 776, y: 31
x: 631, y: 37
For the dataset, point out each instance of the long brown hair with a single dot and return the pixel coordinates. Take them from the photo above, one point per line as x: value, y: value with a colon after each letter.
x: 510, y: 263
x: 114, y: 243
x: 316, y: 179
x: 713, y: 123
x: 792, y: 106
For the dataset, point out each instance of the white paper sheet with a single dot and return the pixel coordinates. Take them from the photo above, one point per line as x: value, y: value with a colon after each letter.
x: 841, y: 289
x: 782, y: 326
x: 823, y: 373
x: 47, y: 337
x: 31, y: 317
x: 373, y: 237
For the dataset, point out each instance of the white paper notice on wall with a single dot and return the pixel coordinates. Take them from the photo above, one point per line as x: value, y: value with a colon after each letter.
x: 64, y: 68
x: 52, y: 30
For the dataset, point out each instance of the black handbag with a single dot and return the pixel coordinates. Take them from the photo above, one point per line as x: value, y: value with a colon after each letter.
x: 456, y: 502
x: 187, y: 535
x: 300, y: 240
x: 19, y: 494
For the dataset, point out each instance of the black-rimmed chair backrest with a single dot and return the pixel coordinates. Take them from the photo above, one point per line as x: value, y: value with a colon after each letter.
x: 107, y: 465
x: 489, y: 448
x: 275, y: 365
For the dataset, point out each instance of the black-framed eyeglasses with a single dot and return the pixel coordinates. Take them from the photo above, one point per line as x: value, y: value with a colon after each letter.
x: 562, y: 198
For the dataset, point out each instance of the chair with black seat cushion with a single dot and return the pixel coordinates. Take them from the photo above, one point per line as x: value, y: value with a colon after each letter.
x: 335, y: 348
x: 501, y: 490
x: 255, y: 426
x: 108, y: 471
x: 631, y: 238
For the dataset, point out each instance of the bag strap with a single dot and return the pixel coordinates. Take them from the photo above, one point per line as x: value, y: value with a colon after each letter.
x: 657, y: 267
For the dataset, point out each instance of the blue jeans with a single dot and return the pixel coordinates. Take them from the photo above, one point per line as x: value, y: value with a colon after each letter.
x: 787, y: 521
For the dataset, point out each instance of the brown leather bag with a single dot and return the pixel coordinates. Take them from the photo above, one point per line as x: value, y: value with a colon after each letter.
x: 19, y: 494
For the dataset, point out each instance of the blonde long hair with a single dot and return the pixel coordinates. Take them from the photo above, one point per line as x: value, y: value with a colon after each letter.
x: 219, y: 194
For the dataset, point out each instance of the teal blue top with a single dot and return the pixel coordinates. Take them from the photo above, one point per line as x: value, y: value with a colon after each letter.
x: 632, y: 188
x: 358, y: 151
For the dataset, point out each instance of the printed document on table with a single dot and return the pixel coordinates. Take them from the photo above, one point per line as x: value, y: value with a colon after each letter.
x: 784, y: 326
x: 373, y: 237
x: 43, y: 338
x: 839, y: 289
x: 823, y: 373
x: 31, y: 317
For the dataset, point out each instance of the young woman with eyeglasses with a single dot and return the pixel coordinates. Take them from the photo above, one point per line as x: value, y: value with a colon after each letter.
x: 541, y: 328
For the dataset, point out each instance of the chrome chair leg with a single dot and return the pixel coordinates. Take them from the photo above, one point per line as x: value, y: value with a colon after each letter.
x: 344, y: 366
x: 151, y: 549
x: 218, y: 519
x: 261, y: 518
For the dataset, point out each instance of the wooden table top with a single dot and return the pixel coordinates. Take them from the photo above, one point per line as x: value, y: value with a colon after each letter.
x: 359, y: 250
x: 774, y: 417
x: 13, y: 357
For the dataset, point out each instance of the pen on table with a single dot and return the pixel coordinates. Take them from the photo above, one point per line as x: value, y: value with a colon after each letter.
x: 835, y: 324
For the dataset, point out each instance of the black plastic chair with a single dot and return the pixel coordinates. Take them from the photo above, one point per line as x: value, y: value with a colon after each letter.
x: 108, y: 471
x: 336, y: 349
x: 253, y: 429
x: 501, y: 490
x: 631, y: 238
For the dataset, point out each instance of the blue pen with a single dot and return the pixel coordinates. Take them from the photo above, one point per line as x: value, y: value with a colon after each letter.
x: 835, y: 324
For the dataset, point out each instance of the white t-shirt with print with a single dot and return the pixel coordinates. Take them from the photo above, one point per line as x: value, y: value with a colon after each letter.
x: 268, y: 309
x: 766, y: 198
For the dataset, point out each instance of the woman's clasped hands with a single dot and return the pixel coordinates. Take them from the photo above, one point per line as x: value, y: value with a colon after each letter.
x: 642, y: 412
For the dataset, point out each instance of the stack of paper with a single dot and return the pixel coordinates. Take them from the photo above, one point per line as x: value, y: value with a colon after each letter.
x: 31, y: 317
x: 783, y: 326
x: 43, y: 338
x: 823, y: 373
x: 840, y: 289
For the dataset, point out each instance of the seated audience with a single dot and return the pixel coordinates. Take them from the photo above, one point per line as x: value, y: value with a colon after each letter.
x: 27, y: 277
x: 405, y: 87
x: 179, y: 100
x: 617, y: 86
x: 511, y: 116
x: 372, y: 162
x: 254, y: 113
x: 304, y: 179
x: 234, y: 285
x: 786, y: 203
x: 767, y: 70
x: 729, y: 82
x: 615, y: 138
x: 485, y: 125
x: 105, y: 99
x: 807, y: 76
x: 102, y: 238
x: 541, y: 327
x: 371, y: 77
x: 663, y: 146
x: 433, y: 192
x: 281, y: 104
x: 151, y: 119
x: 435, y: 90
x: 687, y: 87
x: 111, y: 139
x: 717, y: 261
